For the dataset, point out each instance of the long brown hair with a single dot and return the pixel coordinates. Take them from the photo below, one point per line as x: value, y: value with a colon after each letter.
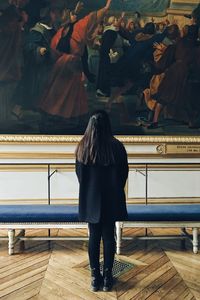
x: 96, y: 146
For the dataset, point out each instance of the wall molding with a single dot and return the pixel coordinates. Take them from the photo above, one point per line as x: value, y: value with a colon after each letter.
x: 74, y: 139
x: 71, y: 201
x: 137, y: 146
x: 71, y: 168
x: 36, y: 155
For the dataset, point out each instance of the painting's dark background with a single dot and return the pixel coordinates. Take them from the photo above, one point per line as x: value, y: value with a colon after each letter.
x: 30, y: 123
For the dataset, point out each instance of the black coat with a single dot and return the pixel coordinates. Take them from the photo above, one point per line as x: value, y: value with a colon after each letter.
x: 101, y: 194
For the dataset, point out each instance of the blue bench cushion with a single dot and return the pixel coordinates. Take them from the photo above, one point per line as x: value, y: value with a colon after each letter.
x: 163, y: 212
x: 69, y: 213
x: 38, y: 213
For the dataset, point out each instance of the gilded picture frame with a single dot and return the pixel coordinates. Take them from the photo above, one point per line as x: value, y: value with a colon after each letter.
x: 165, y: 146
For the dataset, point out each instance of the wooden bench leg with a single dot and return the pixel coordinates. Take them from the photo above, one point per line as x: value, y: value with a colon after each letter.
x: 183, y: 244
x: 22, y: 243
x: 119, y: 228
x: 195, y: 240
x: 11, y: 241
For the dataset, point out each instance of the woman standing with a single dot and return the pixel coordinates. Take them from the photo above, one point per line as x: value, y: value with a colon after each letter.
x: 102, y: 170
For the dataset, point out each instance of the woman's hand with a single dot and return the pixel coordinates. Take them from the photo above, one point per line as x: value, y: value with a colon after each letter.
x: 108, y: 3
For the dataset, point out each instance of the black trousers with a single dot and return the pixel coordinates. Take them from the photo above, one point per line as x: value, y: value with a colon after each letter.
x: 106, y: 232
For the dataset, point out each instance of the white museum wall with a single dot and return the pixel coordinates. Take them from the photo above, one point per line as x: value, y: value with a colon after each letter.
x: 26, y: 186
x: 29, y: 183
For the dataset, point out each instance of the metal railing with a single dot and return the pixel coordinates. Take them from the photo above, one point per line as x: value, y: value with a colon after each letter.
x: 145, y: 167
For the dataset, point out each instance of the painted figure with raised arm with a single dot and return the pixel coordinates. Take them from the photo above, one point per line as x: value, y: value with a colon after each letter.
x: 65, y: 95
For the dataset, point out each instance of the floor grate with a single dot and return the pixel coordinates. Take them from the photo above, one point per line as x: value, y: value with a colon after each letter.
x: 120, y: 267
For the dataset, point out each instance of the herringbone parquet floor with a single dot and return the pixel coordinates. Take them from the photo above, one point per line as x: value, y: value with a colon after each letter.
x: 44, y: 271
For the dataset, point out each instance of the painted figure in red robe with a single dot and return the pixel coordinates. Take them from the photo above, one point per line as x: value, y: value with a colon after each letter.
x: 65, y: 95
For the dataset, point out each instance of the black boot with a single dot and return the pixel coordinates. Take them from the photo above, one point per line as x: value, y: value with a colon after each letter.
x: 96, y: 280
x: 107, y: 280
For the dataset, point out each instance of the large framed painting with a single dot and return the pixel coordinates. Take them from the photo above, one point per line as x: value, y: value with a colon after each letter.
x: 61, y: 60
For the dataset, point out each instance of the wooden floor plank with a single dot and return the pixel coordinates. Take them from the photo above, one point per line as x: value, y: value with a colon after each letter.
x: 127, y: 281
x: 51, y: 290
x: 23, y: 265
x: 161, y: 270
x: 176, y: 292
x: 155, y: 285
x: 22, y: 283
x: 25, y: 293
x: 141, y: 281
x: 187, y: 295
x: 166, y: 288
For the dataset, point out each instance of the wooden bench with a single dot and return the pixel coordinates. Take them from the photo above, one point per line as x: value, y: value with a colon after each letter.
x: 22, y: 217
x: 162, y: 216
